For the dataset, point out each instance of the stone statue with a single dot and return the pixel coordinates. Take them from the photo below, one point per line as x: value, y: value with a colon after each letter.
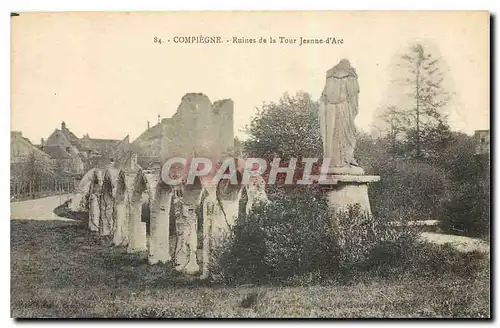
x: 338, y: 109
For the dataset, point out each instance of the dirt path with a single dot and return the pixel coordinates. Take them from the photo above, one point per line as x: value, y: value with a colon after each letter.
x: 43, y: 209
x: 38, y: 209
x: 462, y: 243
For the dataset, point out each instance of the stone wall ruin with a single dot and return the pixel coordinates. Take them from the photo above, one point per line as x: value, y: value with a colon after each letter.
x: 198, y: 128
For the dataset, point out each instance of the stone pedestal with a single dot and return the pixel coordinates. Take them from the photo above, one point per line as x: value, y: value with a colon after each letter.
x: 345, y: 187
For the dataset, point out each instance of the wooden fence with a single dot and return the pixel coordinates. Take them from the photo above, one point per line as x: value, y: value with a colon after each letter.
x: 21, y: 189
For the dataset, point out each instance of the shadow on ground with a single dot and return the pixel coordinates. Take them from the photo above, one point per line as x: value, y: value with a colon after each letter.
x: 64, y: 212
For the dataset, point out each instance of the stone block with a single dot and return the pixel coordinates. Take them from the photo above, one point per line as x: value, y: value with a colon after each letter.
x: 343, y: 191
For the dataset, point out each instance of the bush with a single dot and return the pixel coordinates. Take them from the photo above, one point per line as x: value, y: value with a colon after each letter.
x: 288, y: 237
x: 295, y: 239
x: 432, y: 260
x: 454, y: 187
x: 367, y: 243
x: 374, y: 246
x: 412, y: 189
x: 466, y: 205
x: 466, y: 209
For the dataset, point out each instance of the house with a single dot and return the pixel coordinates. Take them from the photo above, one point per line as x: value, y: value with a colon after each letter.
x: 78, y: 155
x: 482, y: 138
x: 102, y: 152
x: 30, y: 167
x: 63, y: 147
x: 21, y: 148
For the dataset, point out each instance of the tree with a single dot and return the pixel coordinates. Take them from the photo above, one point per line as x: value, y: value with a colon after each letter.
x: 236, y: 150
x: 285, y: 129
x: 60, y: 173
x: 288, y: 128
x: 421, y: 118
x: 394, y: 124
x: 432, y: 141
x: 35, y: 172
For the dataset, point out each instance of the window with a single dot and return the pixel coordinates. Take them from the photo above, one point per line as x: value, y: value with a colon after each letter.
x: 482, y: 140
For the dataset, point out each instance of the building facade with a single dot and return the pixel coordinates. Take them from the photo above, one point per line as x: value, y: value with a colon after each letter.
x: 78, y: 155
x: 482, y: 138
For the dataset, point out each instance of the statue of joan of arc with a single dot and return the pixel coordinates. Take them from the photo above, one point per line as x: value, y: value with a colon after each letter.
x: 338, y: 109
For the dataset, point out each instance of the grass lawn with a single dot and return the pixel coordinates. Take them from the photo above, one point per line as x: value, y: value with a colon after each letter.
x: 59, y: 269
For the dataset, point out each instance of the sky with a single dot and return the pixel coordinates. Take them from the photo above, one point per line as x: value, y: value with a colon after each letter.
x: 103, y: 74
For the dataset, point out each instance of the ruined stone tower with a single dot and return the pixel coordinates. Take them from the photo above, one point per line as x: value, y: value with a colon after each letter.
x: 198, y: 128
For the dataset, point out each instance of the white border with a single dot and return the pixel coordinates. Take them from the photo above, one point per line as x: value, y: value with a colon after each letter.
x: 138, y: 5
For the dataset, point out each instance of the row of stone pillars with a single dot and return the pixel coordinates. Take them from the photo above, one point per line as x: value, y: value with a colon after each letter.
x: 115, y: 210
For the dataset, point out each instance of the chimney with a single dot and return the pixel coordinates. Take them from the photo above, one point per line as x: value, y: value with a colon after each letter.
x: 42, y: 142
x: 148, y: 124
x: 63, y: 125
x: 158, y: 118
